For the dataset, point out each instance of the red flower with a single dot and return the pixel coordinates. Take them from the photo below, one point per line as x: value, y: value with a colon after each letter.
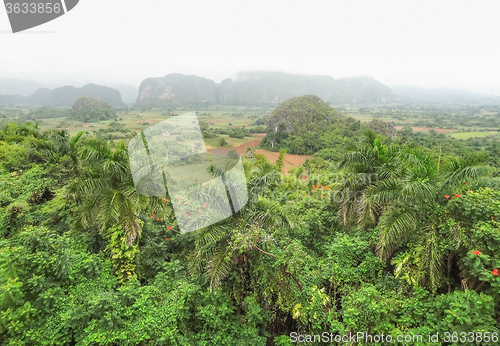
x: 492, y: 217
x: 159, y: 218
x: 182, y: 209
x: 446, y: 196
x: 186, y: 215
x: 452, y: 196
x: 187, y: 202
x: 475, y: 252
x: 204, y: 205
x: 494, y: 272
x: 169, y: 227
x: 167, y: 239
x: 465, y: 183
x: 199, y: 210
x: 152, y: 216
x: 457, y: 195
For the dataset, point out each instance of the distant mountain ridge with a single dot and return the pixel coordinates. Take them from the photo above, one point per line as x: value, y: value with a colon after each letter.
x: 442, y: 95
x: 65, y: 96
x: 258, y: 89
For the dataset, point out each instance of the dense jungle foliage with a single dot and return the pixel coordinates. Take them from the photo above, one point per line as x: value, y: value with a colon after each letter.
x: 393, y: 236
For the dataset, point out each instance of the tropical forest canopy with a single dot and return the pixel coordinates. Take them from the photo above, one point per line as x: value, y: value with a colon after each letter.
x: 381, y: 232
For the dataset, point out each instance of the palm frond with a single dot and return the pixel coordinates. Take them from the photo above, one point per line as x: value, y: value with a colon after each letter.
x: 396, y: 225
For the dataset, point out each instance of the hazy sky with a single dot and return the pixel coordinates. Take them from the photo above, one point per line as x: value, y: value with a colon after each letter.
x: 421, y: 43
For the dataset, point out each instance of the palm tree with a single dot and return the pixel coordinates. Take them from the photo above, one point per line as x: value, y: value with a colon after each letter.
x: 363, y: 166
x: 54, y: 144
x: 106, y: 193
x: 220, y: 246
x: 404, y: 201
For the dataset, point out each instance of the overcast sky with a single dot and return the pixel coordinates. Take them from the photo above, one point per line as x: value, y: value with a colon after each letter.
x: 419, y: 43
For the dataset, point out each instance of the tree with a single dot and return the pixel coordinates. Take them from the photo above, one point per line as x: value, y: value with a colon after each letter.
x: 404, y: 200
x: 105, y: 191
x: 280, y: 162
x: 223, y: 142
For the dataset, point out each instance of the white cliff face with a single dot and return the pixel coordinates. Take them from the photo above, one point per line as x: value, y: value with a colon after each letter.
x: 167, y: 93
x: 144, y: 92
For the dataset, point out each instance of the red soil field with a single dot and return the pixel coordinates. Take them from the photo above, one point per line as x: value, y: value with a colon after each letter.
x: 290, y: 159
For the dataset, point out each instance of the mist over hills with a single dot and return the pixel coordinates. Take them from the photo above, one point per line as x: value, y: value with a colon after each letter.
x: 65, y: 96
x: 442, y: 95
x: 10, y: 86
x: 247, y: 89
x: 258, y: 89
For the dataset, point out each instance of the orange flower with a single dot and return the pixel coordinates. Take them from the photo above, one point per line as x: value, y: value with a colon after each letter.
x: 167, y: 239
x: 169, y: 227
x: 475, y: 252
x: 182, y: 209
x: 186, y: 215
x: 457, y: 195
x: 187, y: 202
x: 159, y: 218
x: 313, y: 191
x: 494, y: 272
x: 204, y: 205
x: 446, y: 196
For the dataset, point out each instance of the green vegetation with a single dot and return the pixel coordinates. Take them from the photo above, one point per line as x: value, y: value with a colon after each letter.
x: 388, y: 234
x: 305, y: 125
x: 473, y: 134
x: 88, y: 109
